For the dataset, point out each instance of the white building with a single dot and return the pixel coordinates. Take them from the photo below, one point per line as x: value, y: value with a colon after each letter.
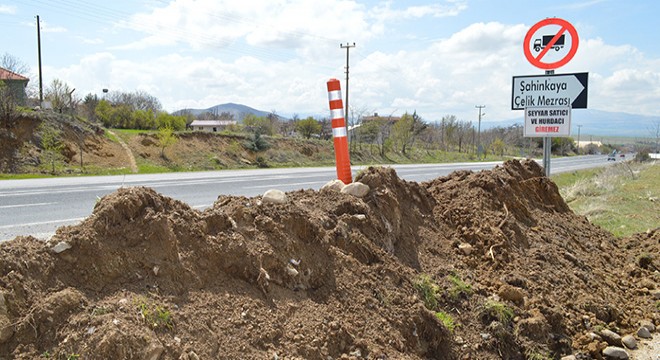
x: 211, y: 125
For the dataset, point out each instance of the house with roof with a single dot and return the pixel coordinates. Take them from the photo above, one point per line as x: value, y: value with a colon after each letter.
x: 16, y: 84
x: 211, y: 125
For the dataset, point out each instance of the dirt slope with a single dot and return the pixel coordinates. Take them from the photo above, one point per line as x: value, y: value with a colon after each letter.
x: 328, y: 275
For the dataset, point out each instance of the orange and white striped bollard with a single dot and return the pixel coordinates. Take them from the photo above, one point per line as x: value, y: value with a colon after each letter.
x: 342, y: 158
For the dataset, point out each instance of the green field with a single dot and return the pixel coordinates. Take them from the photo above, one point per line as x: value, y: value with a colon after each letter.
x: 623, y: 199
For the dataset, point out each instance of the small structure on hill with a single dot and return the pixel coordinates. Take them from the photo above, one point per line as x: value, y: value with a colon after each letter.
x: 16, y: 84
x: 211, y: 125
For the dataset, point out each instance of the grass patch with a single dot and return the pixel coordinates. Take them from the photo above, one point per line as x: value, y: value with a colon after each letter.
x: 145, y: 167
x: 133, y: 131
x: 623, y: 198
x: 458, y: 288
x: 24, y: 176
x: 428, y: 291
x: 499, y: 311
x: 155, y: 316
x: 446, y: 320
x: 110, y: 136
x: 534, y: 355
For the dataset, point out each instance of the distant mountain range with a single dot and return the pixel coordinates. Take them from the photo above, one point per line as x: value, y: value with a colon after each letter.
x: 594, y: 122
x: 237, y: 110
x: 597, y: 123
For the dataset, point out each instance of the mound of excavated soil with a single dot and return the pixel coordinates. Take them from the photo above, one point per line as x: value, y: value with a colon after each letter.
x: 328, y: 275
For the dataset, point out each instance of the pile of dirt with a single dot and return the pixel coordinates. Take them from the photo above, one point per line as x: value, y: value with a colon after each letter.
x: 484, y: 265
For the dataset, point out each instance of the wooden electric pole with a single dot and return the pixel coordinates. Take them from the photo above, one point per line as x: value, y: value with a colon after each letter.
x: 347, y: 47
x: 41, y: 84
x: 479, y: 150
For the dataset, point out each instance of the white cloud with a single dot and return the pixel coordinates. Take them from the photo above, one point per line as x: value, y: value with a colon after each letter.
x: 88, y: 41
x: 47, y: 28
x: 579, y: 5
x: 474, y: 66
x: 386, y: 13
x: 283, y: 24
x: 7, y: 9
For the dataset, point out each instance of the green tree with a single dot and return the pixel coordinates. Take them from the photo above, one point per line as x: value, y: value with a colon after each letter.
x: 562, y: 145
x: 307, y: 127
x: 88, y: 106
x: 144, y: 119
x: 256, y: 124
x: 406, y: 130
x: 498, y: 146
x: 166, y: 137
x: 51, y: 144
x: 104, y: 112
x: 177, y: 123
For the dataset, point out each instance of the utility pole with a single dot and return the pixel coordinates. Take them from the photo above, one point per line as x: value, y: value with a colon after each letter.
x: 347, y: 47
x: 479, y: 132
x: 578, y: 147
x: 41, y: 84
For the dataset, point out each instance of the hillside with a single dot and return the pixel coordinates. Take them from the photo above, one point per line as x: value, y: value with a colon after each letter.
x: 238, y: 111
x: 103, y: 152
x: 27, y: 155
x: 488, y: 265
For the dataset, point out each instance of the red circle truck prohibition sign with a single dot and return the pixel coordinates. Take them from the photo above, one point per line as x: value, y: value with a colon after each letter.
x: 554, y: 41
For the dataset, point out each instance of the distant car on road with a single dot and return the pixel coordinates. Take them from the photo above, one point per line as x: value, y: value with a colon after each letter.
x: 612, y: 156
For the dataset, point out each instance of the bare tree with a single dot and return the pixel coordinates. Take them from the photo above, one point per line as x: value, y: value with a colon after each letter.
x: 138, y: 100
x: 9, y: 142
x: 654, y: 129
x: 13, y: 64
x: 60, y: 95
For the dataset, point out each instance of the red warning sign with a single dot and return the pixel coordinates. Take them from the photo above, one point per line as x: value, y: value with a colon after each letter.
x: 546, y: 45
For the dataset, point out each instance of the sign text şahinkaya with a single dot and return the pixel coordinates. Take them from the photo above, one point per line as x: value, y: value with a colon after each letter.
x: 541, y: 100
x: 545, y: 85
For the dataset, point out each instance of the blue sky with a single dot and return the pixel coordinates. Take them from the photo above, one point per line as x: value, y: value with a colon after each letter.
x: 435, y: 57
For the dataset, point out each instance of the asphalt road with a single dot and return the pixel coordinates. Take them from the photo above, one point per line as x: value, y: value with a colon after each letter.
x: 39, y: 206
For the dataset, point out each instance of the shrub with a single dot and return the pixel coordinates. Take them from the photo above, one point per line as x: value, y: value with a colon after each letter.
x: 642, y: 156
x: 257, y: 143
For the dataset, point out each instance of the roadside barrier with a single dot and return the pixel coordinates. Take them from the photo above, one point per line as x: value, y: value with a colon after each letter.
x: 339, y: 135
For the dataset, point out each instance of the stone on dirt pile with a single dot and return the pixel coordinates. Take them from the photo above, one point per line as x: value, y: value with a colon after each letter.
x: 274, y: 196
x: 615, y: 353
x: 356, y: 189
x: 333, y: 185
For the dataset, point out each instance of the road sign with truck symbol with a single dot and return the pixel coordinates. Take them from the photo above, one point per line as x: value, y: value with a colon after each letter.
x: 550, y: 43
x: 540, y: 44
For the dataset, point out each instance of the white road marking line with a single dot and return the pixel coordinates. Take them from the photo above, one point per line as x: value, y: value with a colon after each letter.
x: 41, y: 223
x: 25, y: 205
x: 287, y: 185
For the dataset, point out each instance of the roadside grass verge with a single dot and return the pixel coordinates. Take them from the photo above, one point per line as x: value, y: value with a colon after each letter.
x: 623, y: 198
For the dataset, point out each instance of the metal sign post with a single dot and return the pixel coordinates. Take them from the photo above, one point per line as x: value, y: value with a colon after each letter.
x: 547, y: 144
